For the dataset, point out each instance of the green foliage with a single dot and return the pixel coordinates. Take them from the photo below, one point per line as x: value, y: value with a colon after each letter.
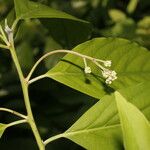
x: 65, y: 31
x: 130, y: 61
x: 133, y: 120
x: 120, y: 119
x: 99, y: 127
x: 28, y: 9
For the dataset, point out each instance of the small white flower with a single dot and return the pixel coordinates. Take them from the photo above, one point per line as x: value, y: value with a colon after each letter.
x: 107, y: 63
x: 108, y: 81
x: 109, y: 75
x: 106, y: 73
x: 87, y: 70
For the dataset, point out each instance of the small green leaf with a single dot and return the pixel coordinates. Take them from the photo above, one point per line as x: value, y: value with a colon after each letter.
x: 2, y: 129
x: 129, y: 60
x: 135, y: 127
x: 99, y: 127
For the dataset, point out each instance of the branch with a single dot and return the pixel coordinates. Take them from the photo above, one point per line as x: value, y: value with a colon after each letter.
x: 3, y: 46
x: 36, y: 79
x: 16, y: 123
x: 13, y: 112
x: 60, y: 51
x: 53, y: 138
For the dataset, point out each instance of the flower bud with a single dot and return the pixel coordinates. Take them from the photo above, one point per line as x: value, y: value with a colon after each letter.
x: 87, y: 70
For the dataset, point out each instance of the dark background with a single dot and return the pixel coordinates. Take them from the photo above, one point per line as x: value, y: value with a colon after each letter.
x: 55, y: 106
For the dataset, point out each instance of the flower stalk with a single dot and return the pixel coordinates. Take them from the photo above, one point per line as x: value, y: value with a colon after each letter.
x: 87, y: 69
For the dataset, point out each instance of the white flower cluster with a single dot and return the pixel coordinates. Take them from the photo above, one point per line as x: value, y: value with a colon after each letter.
x: 110, y: 75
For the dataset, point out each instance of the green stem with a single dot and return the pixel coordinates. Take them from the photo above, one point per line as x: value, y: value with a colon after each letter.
x: 3, y: 46
x: 61, y: 51
x: 14, y: 24
x: 37, y: 78
x: 53, y: 138
x: 13, y: 112
x: 24, y: 85
x: 16, y: 123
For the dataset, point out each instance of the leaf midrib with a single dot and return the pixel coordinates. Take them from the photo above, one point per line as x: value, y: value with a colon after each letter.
x: 70, y: 133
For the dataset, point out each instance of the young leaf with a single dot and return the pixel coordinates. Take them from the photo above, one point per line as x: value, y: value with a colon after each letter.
x: 2, y: 129
x: 99, y: 127
x: 135, y: 127
x: 129, y: 60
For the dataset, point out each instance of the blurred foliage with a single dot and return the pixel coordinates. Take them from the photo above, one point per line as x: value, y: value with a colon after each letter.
x: 55, y: 106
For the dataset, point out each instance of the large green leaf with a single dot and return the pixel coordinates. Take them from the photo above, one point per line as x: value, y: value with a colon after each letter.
x: 68, y: 30
x: 135, y: 127
x: 2, y: 129
x: 26, y: 9
x: 99, y: 127
x: 51, y: 45
x: 98, y: 138
x: 129, y: 60
x: 68, y: 33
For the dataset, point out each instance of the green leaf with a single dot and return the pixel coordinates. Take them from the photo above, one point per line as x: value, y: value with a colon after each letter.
x: 21, y: 7
x: 68, y: 30
x: 2, y: 129
x: 99, y: 127
x: 51, y: 45
x: 27, y: 9
x: 135, y: 127
x: 129, y: 60
x: 68, y: 33
x: 97, y: 138
x: 25, y: 56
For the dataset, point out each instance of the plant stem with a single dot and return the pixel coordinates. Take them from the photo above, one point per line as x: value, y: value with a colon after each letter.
x: 16, y: 123
x: 24, y: 85
x: 54, y: 138
x: 36, y: 78
x: 60, y: 51
x: 14, y: 24
x: 13, y: 112
x: 3, y: 46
